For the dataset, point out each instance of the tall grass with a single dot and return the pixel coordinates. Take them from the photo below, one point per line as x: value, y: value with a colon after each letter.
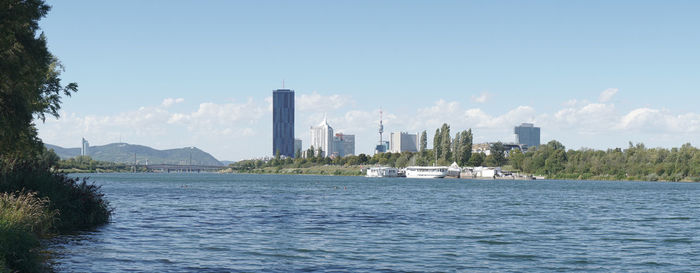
x: 24, y: 218
x: 81, y: 204
x: 35, y: 202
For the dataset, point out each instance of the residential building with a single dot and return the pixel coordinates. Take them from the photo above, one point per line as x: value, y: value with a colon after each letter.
x: 322, y: 137
x: 403, y: 142
x: 481, y: 148
x: 283, y: 122
x: 527, y: 134
x: 343, y: 145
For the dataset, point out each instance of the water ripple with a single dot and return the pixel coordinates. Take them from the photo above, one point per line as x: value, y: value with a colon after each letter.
x: 244, y: 223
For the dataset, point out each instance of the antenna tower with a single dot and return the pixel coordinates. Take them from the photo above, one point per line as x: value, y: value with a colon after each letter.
x: 381, y: 127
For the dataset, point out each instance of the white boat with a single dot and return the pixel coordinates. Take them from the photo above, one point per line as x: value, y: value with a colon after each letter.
x: 454, y: 170
x: 426, y: 172
x: 382, y: 172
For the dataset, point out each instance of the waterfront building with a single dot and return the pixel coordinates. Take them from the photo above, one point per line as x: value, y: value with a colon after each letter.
x: 84, y: 148
x: 322, y: 137
x: 283, y: 122
x: 527, y: 134
x: 403, y: 142
x: 343, y: 145
x: 297, y: 146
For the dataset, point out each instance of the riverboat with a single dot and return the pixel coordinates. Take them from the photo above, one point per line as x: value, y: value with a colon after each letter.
x: 382, y: 172
x: 426, y: 172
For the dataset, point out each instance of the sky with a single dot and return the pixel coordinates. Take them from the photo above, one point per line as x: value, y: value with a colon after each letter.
x: 170, y: 74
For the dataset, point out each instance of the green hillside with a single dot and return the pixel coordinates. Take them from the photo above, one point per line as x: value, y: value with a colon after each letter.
x: 124, y: 153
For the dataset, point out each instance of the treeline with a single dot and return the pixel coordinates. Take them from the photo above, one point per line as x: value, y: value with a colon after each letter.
x: 86, y: 163
x: 35, y: 200
x: 634, y: 163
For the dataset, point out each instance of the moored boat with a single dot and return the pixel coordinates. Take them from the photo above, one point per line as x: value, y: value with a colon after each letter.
x: 382, y: 172
x: 426, y: 172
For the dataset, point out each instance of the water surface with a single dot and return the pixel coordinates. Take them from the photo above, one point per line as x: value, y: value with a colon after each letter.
x: 213, y: 222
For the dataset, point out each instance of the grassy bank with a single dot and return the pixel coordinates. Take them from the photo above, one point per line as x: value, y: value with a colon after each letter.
x: 36, y: 202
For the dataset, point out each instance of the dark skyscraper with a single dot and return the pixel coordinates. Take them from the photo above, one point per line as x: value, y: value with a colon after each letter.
x: 528, y: 134
x: 283, y: 122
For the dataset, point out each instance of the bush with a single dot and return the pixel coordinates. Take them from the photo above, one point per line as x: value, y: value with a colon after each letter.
x: 81, y: 205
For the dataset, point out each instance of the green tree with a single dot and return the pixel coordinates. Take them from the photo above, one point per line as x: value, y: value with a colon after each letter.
x: 423, y: 142
x: 456, y: 147
x: 476, y: 160
x: 466, y: 147
x: 497, y: 156
x: 516, y: 159
x: 29, y: 78
x: 437, y: 142
x: 446, y: 143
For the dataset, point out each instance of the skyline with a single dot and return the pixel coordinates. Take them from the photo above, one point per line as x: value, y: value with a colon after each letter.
x: 591, y: 74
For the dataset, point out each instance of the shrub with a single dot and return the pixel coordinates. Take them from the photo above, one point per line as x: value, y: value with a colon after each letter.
x: 80, y: 204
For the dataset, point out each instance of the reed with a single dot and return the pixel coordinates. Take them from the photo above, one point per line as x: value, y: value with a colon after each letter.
x: 36, y: 202
x: 24, y: 218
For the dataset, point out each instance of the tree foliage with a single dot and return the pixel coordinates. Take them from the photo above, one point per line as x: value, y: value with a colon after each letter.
x: 29, y: 78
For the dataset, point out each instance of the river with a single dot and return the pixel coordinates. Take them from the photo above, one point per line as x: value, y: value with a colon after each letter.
x: 277, y: 223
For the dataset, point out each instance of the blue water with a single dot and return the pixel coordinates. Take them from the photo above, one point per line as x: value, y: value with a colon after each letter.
x: 212, y: 222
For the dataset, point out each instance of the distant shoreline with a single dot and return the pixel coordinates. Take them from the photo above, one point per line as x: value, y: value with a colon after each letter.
x: 353, y: 171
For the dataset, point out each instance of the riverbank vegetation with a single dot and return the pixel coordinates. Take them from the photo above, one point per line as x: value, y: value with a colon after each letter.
x: 552, y: 160
x: 35, y: 200
x: 85, y: 164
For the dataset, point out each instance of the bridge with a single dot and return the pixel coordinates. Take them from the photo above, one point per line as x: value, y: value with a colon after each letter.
x: 183, y: 168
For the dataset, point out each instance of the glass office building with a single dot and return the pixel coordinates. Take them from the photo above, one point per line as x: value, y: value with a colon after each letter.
x: 283, y: 122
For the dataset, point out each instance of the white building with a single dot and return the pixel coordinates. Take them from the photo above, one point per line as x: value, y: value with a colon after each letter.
x: 484, y: 148
x: 322, y: 137
x: 343, y: 145
x: 85, y: 147
x: 403, y: 142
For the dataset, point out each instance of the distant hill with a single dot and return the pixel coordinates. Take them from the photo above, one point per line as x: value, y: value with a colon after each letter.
x: 124, y: 153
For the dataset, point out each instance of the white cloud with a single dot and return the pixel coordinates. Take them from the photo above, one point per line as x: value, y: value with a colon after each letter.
x: 170, y: 101
x: 320, y: 103
x: 481, y: 98
x: 210, y: 126
x: 592, y: 117
x: 452, y: 113
x: 647, y: 119
x: 607, y: 94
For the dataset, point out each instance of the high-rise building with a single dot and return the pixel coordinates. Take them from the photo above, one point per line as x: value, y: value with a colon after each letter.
x: 322, y: 138
x: 85, y: 147
x: 403, y: 142
x: 283, y: 122
x: 527, y: 134
x: 343, y: 145
x: 297, y: 146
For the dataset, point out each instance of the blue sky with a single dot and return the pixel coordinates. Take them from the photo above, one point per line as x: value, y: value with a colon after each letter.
x: 200, y: 73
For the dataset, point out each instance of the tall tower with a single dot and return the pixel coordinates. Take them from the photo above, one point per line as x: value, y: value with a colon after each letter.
x: 283, y: 122
x: 381, y: 127
x: 84, y: 148
x: 381, y: 148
